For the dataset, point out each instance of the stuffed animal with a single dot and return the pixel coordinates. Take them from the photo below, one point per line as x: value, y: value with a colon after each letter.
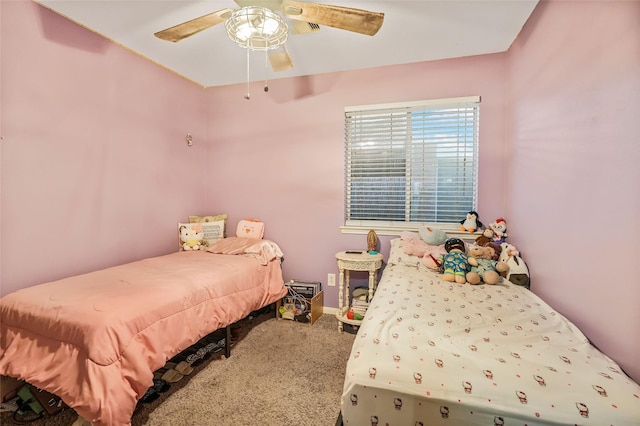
x: 486, y: 237
x: 432, y: 236
x: 518, y: 272
x: 499, y: 228
x: 454, y: 264
x: 435, y: 239
x: 471, y: 223
x: 485, y: 266
x: 508, y: 250
x: 191, y: 237
x: 414, y: 245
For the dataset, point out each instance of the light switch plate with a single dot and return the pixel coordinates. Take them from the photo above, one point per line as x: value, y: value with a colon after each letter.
x: 331, y: 280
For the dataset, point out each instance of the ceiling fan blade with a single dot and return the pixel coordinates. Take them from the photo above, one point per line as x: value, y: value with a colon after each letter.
x: 344, y: 18
x: 269, y: 4
x: 194, y: 26
x: 281, y: 60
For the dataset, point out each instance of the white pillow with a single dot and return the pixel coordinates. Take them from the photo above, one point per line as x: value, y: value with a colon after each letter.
x: 213, y: 231
x: 397, y: 256
x: 211, y: 218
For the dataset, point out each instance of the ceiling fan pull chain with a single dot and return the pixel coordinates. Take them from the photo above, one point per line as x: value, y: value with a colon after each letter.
x: 248, y: 95
x: 266, y: 64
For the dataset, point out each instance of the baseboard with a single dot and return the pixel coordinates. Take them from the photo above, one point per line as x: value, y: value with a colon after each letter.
x: 328, y: 310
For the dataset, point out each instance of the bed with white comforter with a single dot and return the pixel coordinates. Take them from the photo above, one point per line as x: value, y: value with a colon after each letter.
x: 430, y: 352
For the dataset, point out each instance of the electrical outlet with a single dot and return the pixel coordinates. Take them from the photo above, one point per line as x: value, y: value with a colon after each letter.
x: 331, y: 280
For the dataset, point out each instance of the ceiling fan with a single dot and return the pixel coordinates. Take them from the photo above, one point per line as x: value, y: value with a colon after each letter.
x: 307, y: 17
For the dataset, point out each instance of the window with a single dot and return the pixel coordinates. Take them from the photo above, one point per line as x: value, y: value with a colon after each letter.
x: 411, y: 163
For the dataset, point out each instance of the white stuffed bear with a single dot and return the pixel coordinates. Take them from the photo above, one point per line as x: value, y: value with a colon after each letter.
x: 191, y: 237
x: 499, y: 228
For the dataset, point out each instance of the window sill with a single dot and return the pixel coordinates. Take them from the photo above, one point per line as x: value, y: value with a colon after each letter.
x: 450, y: 229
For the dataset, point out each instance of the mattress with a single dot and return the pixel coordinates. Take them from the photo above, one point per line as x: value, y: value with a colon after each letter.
x: 431, y: 352
x: 96, y: 339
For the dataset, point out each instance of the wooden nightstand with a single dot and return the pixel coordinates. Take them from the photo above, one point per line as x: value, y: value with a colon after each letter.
x: 350, y: 261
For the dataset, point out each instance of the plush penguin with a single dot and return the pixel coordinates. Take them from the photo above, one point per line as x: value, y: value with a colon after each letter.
x: 471, y: 223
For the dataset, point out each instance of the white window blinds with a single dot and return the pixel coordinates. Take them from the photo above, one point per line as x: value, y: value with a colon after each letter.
x: 411, y: 162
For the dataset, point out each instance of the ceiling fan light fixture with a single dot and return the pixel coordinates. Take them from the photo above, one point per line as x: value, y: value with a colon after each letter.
x: 256, y: 28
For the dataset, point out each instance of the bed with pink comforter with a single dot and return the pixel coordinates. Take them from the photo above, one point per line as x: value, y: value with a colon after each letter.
x: 96, y: 339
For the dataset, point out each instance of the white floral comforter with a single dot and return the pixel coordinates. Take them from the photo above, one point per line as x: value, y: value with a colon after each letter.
x: 432, y: 353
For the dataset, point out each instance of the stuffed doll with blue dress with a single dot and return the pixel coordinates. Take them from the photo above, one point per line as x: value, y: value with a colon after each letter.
x: 454, y: 263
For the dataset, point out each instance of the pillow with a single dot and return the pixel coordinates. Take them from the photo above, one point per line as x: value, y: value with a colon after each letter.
x: 415, y: 247
x: 233, y: 245
x: 199, y: 236
x: 397, y: 256
x: 214, y: 218
x: 250, y: 228
x: 409, y: 235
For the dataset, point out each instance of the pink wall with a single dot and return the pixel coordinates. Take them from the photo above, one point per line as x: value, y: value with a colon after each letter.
x: 95, y: 169
x: 573, y: 192
x: 280, y: 156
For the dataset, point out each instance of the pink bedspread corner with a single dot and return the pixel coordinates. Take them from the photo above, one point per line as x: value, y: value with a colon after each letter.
x: 102, y: 341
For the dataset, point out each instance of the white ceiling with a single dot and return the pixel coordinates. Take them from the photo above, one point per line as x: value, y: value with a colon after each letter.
x: 413, y: 31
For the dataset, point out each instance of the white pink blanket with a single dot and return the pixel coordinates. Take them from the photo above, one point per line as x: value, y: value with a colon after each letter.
x: 431, y: 352
x: 96, y: 339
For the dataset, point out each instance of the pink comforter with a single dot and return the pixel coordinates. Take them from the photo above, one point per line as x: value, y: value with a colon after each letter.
x: 96, y: 339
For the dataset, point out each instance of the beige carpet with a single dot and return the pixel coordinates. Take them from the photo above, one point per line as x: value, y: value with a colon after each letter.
x: 280, y: 373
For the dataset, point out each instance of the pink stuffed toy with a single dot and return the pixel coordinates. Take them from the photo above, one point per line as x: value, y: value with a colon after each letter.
x: 413, y: 245
x: 430, y: 259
